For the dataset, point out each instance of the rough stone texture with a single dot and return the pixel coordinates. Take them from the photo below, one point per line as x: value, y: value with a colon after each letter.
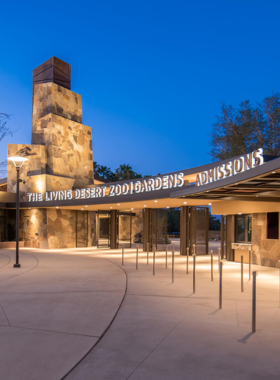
x: 92, y: 238
x: 61, y: 228
x: 265, y: 251
x: 69, y: 148
x: 137, y: 223
x: 33, y: 170
x: 124, y: 227
x: 33, y: 227
x: 52, y: 98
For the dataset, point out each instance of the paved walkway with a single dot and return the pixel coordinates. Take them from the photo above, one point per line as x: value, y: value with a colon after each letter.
x: 53, y: 310
x: 56, y: 308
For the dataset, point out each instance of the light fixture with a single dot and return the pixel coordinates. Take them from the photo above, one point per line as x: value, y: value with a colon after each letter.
x: 111, y: 207
x: 81, y: 208
x: 85, y: 206
x: 119, y: 204
x: 145, y: 206
x: 209, y: 204
x: 57, y: 207
x: 257, y: 196
x: 185, y: 203
x: 29, y: 208
x: 132, y: 208
x: 273, y: 172
x: 155, y: 201
x: 18, y: 160
x: 240, y: 213
x: 167, y: 206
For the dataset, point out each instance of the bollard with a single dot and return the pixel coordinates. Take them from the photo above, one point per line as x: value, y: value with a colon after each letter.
x: 219, y: 258
x: 221, y: 286
x: 250, y: 263
x: 154, y: 262
x: 123, y: 255
x: 254, y: 300
x: 194, y: 246
x: 193, y: 273
x: 212, y: 273
x: 242, y: 271
x: 166, y: 257
x: 147, y: 253
x: 187, y: 264
x: 137, y: 256
x: 173, y: 264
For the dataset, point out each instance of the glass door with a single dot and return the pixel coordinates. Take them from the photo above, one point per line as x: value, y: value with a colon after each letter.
x: 103, y: 224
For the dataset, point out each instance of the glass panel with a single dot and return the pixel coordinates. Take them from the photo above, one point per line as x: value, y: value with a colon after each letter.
x: 161, y: 228
x: 249, y: 228
x: 125, y: 230
x: 240, y: 229
x: 103, y: 230
x: 200, y: 229
x: 272, y: 225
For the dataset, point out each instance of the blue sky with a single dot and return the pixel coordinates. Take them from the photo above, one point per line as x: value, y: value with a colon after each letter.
x: 152, y: 74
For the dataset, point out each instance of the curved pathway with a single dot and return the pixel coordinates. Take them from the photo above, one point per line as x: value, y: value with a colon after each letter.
x: 53, y: 310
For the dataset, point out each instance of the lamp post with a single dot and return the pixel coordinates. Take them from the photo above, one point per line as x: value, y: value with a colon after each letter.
x: 18, y: 162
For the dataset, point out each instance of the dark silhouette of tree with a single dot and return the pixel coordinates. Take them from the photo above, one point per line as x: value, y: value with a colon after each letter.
x: 246, y: 128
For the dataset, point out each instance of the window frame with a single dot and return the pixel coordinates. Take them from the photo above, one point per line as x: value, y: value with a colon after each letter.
x: 246, y: 217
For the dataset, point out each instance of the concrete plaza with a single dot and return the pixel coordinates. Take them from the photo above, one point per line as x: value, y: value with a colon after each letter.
x: 80, y: 314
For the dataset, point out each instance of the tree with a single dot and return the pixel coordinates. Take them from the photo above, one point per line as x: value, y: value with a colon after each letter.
x: 105, y: 172
x: 241, y: 130
x: 5, y: 130
x: 125, y: 172
x: 214, y: 223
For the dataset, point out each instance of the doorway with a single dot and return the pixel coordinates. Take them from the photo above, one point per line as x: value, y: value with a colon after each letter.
x: 103, y: 229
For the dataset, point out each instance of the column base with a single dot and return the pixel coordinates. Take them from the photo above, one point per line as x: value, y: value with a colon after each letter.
x: 16, y: 265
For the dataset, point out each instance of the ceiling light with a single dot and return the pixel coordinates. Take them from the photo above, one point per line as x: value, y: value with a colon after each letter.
x: 257, y: 196
x: 209, y: 204
x: 119, y: 204
x: 145, y: 206
x: 167, y: 206
x: 273, y: 172
x: 57, y: 207
x: 111, y: 207
x: 240, y: 213
x: 185, y: 203
x: 81, y: 208
x: 85, y: 206
x: 155, y: 201
x: 132, y: 209
x: 29, y: 208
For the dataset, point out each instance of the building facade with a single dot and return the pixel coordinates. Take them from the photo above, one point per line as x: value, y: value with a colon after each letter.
x: 62, y: 204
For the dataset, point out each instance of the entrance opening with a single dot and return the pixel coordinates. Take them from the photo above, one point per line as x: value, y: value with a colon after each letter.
x: 124, y: 229
x: 8, y: 225
x: 199, y: 229
x: 103, y: 229
x: 81, y: 229
x: 158, y: 229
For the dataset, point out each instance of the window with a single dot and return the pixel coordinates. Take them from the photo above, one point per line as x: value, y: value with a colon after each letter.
x: 243, y: 229
x: 272, y: 225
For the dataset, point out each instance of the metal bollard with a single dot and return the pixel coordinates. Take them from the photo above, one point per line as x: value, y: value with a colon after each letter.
x: 166, y: 257
x: 123, y: 255
x: 219, y: 258
x: 187, y: 264
x: 154, y: 262
x: 254, y: 300
x: 173, y: 264
x: 221, y: 285
x: 147, y: 253
x: 212, y: 259
x: 193, y: 273
x: 250, y: 263
x: 242, y: 271
x: 194, y: 246
x: 137, y: 256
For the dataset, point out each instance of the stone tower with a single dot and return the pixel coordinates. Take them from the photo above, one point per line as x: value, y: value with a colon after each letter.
x: 59, y: 158
x: 60, y: 153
